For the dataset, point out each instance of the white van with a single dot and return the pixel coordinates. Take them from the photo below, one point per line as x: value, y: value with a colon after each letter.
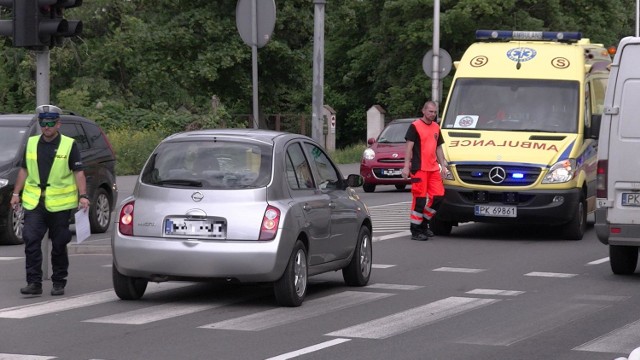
x: 618, y: 180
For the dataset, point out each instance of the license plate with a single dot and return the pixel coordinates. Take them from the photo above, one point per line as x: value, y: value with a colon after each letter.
x: 630, y: 199
x: 392, y: 172
x: 195, y: 227
x: 496, y: 211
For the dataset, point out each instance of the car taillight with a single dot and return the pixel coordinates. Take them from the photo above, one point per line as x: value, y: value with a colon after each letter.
x: 601, y: 179
x: 270, y: 222
x: 125, y: 223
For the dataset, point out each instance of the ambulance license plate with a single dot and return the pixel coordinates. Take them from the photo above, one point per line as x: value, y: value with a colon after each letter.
x: 630, y: 199
x: 496, y: 211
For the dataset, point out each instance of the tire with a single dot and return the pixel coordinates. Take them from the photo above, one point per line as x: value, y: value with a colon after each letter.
x: 128, y: 288
x: 440, y: 227
x: 13, y: 231
x: 100, y: 212
x: 575, y: 229
x: 358, y: 272
x: 623, y: 259
x: 291, y: 289
x: 369, y: 188
x: 401, y: 186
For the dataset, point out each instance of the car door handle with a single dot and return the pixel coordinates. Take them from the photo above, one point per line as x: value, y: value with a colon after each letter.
x: 306, y: 207
x: 332, y: 205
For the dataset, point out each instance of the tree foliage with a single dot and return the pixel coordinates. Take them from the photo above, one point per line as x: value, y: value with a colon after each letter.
x: 158, y: 64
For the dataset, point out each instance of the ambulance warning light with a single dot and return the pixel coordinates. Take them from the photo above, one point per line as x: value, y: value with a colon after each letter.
x: 528, y: 35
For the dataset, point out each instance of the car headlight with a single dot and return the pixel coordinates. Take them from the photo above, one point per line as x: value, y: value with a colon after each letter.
x: 560, y: 172
x: 3, y: 182
x: 369, y: 154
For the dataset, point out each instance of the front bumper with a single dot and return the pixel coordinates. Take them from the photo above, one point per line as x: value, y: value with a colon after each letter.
x: 383, y: 174
x: 551, y: 207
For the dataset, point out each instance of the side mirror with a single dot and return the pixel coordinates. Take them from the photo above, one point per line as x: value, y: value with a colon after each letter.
x: 371, y: 141
x: 596, y: 121
x: 354, y: 180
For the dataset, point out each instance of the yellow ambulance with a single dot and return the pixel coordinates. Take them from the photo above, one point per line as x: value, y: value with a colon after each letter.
x: 520, y: 126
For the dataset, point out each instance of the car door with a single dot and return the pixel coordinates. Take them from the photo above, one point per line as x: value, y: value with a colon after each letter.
x: 313, y: 204
x: 74, y: 130
x: 344, y: 226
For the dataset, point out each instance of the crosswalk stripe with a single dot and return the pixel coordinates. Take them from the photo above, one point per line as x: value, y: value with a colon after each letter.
x: 458, y: 270
x: 7, y: 258
x: 74, y: 302
x: 412, y: 319
x: 24, y: 357
x: 550, y: 274
x: 280, y: 316
x: 390, y: 217
x: 495, y: 292
x: 307, y: 350
x: 393, y: 286
x: 624, y: 340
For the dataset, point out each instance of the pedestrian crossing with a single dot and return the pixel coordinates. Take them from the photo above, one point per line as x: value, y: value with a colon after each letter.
x: 525, y: 324
x: 390, y: 217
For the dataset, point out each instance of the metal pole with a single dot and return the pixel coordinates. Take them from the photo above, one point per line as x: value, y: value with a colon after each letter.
x: 254, y: 61
x: 318, y: 71
x: 435, y: 84
x: 637, y: 18
x: 42, y: 98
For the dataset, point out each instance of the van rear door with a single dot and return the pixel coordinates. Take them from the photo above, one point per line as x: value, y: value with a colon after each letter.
x: 624, y: 142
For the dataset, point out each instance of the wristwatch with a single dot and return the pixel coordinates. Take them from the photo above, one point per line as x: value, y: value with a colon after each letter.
x: 83, y: 196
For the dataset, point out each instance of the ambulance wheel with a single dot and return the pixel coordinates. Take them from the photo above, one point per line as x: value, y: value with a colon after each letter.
x: 440, y: 227
x: 575, y: 229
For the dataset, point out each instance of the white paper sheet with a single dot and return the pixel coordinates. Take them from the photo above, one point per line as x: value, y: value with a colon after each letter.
x: 83, y: 229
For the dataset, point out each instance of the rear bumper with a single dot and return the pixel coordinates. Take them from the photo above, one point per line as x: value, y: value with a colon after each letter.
x: 550, y: 207
x: 624, y: 234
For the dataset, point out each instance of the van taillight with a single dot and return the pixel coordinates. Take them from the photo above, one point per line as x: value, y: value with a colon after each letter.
x: 125, y: 220
x: 601, y: 179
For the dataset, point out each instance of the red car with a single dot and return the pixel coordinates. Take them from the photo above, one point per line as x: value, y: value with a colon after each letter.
x: 383, y: 160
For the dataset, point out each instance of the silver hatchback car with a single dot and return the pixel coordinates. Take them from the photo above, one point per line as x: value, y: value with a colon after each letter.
x: 241, y: 205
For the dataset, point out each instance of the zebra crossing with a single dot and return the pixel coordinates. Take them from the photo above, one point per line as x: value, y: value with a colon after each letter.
x: 516, y: 328
x: 390, y: 217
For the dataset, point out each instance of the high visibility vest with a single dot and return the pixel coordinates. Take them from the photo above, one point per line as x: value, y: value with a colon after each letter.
x: 61, y: 192
x: 428, y: 143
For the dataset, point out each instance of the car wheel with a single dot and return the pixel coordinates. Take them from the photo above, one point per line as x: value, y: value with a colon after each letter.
x: 575, y: 229
x: 291, y: 288
x: 100, y: 212
x: 623, y: 259
x: 401, y: 186
x: 358, y: 272
x: 368, y: 187
x: 127, y: 288
x: 15, y: 225
x: 440, y: 227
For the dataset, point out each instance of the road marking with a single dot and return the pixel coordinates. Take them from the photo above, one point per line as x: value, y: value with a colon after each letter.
x: 621, y: 340
x: 391, y: 236
x: 393, y: 286
x: 495, y: 292
x: 309, y: 349
x: 381, y: 266
x: 458, y: 270
x: 550, y: 274
x: 390, y: 217
x: 74, y: 302
x: 4, y: 356
x: 312, y: 308
x: 599, y: 261
x: 7, y: 258
x: 412, y: 319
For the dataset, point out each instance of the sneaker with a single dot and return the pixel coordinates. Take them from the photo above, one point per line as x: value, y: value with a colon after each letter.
x: 58, y: 289
x: 419, y: 236
x: 32, y: 289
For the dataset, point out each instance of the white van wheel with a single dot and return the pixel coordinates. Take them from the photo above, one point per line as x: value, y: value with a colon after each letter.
x: 623, y: 259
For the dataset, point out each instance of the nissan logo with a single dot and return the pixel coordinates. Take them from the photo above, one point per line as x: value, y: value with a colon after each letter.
x: 497, y: 175
x: 197, y: 196
x: 394, y: 155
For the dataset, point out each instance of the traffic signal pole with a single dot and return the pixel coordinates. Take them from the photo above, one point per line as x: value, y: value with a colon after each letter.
x: 42, y: 77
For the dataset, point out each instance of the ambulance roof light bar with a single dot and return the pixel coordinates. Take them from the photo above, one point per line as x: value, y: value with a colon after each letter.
x: 528, y: 35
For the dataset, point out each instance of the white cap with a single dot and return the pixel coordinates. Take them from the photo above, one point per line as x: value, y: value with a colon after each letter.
x: 48, y: 112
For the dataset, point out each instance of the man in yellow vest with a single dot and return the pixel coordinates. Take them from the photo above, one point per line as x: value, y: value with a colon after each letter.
x: 53, y: 184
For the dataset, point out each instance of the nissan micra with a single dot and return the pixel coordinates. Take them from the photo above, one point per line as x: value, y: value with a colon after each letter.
x: 241, y: 205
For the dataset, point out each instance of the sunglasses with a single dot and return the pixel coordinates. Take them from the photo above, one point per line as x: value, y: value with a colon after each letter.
x: 48, y: 123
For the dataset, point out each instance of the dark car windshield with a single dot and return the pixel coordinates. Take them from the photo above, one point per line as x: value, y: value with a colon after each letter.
x: 219, y: 164
x: 11, y: 140
x: 513, y: 105
x: 394, y: 133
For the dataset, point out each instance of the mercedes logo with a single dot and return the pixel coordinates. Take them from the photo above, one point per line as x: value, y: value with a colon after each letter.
x: 497, y: 175
x: 197, y: 196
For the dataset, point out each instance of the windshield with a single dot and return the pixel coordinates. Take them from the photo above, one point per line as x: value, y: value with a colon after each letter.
x: 394, y: 133
x: 11, y: 139
x: 219, y: 164
x: 513, y: 105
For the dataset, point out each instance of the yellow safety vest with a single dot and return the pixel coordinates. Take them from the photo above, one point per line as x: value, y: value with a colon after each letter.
x: 61, y: 191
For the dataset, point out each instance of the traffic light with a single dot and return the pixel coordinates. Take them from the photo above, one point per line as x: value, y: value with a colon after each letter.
x: 39, y: 23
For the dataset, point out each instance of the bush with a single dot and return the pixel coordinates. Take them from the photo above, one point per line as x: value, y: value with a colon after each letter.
x: 133, y: 148
x: 350, y: 154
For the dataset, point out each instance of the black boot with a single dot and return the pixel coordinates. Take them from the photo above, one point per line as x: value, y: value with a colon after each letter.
x: 417, y: 233
x: 426, y: 229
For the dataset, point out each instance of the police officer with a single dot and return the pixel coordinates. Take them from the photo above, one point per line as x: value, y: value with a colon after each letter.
x: 52, y: 182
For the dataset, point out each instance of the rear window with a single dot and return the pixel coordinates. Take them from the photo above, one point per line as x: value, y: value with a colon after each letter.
x: 219, y: 164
